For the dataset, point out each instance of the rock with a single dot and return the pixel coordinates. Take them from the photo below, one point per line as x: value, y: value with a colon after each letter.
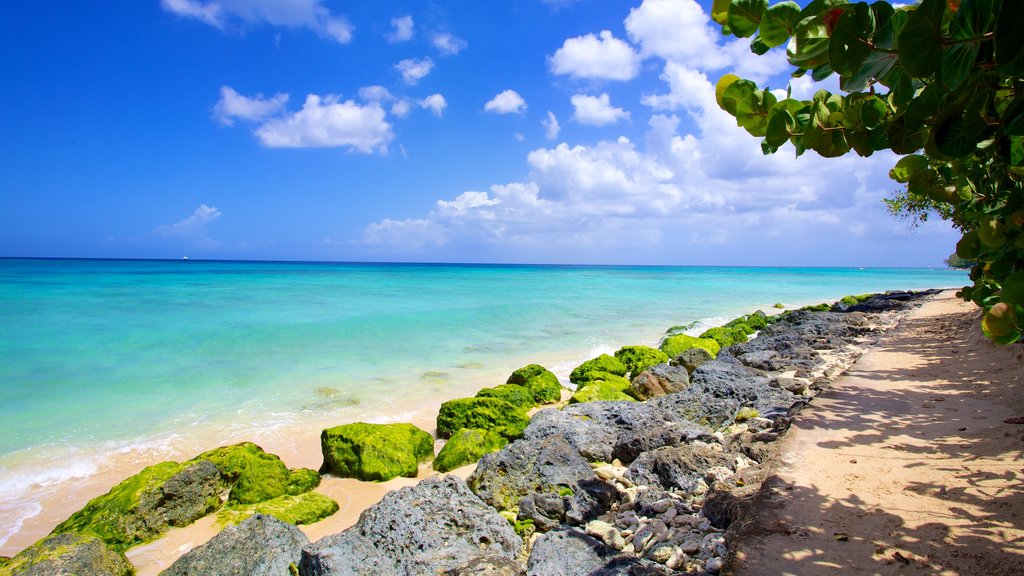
x: 483, y: 413
x: 467, y: 446
x: 726, y: 335
x: 256, y: 476
x: 721, y: 508
x: 676, y: 467
x: 659, y: 380
x: 550, y: 465
x: 603, y: 363
x: 58, y: 555
x: 433, y: 527
x: 640, y: 358
x: 762, y: 360
x: 304, y: 508
x: 634, y: 442
x: 714, y: 565
x: 546, y: 510
x: 540, y: 381
x: 145, y: 505
x: 600, y: 390
x: 673, y: 346
x: 571, y: 552
x: 260, y: 546
x: 726, y: 377
x: 692, y: 358
x: 519, y: 396
x: 696, y: 405
x: 491, y: 565
x: 375, y: 452
x: 590, y: 438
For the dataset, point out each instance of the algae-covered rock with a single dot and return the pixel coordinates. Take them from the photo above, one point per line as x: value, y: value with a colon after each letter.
x: 145, y: 505
x: 603, y: 363
x: 375, y: 452
x: 673, y: 346
x: 600, y: 390
x: 726, y: 335
x: 257, y: 476
x: 516, y: 395
x: 484, y: 413
x: 260, y: 546
x: 540, y: 381
x: 467, y: 446
x: 300, y: 509
x: 62, y: 554
x: 659, y: 380
x: 692, y: 358
x: 640, y: 358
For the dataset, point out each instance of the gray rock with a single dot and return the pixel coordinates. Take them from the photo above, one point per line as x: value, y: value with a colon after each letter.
x: 697, y: 406
x: 259, y: 546
x: 435, y: 526
x: 762, y: 360
x: 590, y: 439
x: 491, y: 565
x: 635, y: 442
x: 658, y: 381
x: 676, y: 467
x: 68, y: 554
x: 547, y: 510
x: 692, y: 359
x: 571, y: 552
x: 727, y: 378
x: 502, y: 479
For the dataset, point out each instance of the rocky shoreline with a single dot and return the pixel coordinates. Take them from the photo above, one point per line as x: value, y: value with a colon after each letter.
x: 644, y: 472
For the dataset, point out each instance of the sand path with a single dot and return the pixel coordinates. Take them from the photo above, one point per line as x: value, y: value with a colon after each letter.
x: 905, y: 466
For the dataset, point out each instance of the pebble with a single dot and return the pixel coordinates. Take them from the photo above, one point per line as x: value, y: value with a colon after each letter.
x: 662, y: 554
x: 714, y: 566
x: 690, y: 546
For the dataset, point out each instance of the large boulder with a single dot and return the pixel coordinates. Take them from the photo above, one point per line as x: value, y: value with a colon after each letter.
x: 696, y: 405
x: 484, y: 413
x: 305, y: 508
x: 571, y: 552
x: 692, y: 358
x: 492, y: 565
x: 375, y: 452
x: 540, y: 381
x: 640, y: 358
x: 591, y: 439
x: 256, y: 476
x: 728, y: 378
x: 519, y: 396
x: 602, y: 390
x: 260, y: 546
x: 467, y: 446
x: 678, y: 467
x: 435, y: 526
x: 727, y: 335
x: 62, y: 554
x: 675, y: 345
x: 603, y: 363
x: 659, y: 380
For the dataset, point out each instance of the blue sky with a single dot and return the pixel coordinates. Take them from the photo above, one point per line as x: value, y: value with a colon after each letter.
x: 543, y: 131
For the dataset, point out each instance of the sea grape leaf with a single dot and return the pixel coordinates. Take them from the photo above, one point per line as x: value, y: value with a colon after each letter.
x: 903, y: 140
x: 875, y: 66
x: 1013, y: 288
x: 1017, y: 150
x: 957, y: 61
x: 724, y: 84
x: 720, y: 11
x: 752, y: 111
x: 778, y: 23
x: 757, y: 46
x: 744, y: 16
x: 920, y: 41
x: 1009, y: 40
x: 1013, y: 117
x: 907, y: 167
x: 808, y: 48
x: 849, y: 43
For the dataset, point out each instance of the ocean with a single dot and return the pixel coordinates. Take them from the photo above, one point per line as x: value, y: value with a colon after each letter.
x: 114, y: 364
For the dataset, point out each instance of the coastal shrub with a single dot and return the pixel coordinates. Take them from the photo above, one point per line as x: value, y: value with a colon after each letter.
x: 640, y: 358
x: 374, y: 452
x: 485, y: 413
x: 673, y: 346
x: 603, y: 363
x: 516, y: 395
x: 599, y: 390
x: 255, y: 476
x: 467, y: 446
x: 294, y: 509
x: 725, y: 335
x: 540, y: 381
x: 67, y: 554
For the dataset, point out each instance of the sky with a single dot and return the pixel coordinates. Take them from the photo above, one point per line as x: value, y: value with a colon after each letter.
x: 520, y: 131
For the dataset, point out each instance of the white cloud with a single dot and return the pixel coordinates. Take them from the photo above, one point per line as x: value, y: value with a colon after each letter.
x: 599, y: 57
x: 551, y: 127
x: 193, y: 227
x: 401, y: 108
x: 435, y: 103
x: 408, y: 234
x: 375, y: 94
x: 447, y: 44
x: 596, y: 110
x: 413, y: 70
x: 311, y: 14
x: 401, y: 29
x: 507, y: 102
x: 329, y: 122
x: 233, y: 105
x: 676, y: 30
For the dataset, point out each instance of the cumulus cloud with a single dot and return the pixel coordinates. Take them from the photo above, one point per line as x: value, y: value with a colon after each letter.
x: 507, y: 102
x: 596, y: 110
x: 191, y: 228
x: 329, y: 122
x: 413, y: 70
x: 435, y: 103
x: 596, y: 57
x: 311, y: 14
x: 551, y: 127
x: 233, y: 105
x: 448, y: 44
x: 375, y: 94
x: 401, y: 29
x: 401, y: 108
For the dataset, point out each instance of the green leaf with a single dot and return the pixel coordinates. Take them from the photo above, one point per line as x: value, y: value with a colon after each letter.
x: 808, y: 48
x: 952, y: 137
x: 920, y: 41
x: 778, y: 23
x: 752, y: 111
x: 720, y: 11
x: 1013, y: 117
x: 902, y: 140
x: 1013, y: 288
x: 745, y: 16
x: 874, y: 67
x: 1009, y: 40
x: 733, y: 90
x: 757, y: 46
x: 1017, y: 150
x: 923, y: 107
x: 957, y: 61
x: 907, y: 166
x: 850, y: 41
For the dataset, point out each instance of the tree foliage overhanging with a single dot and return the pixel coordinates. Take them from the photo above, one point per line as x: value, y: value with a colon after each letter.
x: 939, y: 83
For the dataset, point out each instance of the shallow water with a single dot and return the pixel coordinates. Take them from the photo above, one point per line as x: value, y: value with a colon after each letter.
x: 133, y: 361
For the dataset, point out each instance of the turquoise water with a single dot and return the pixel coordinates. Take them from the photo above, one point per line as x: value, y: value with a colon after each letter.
x: 105, y: 356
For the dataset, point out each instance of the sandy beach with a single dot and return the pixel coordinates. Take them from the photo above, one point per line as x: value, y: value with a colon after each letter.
x: 910, y: 464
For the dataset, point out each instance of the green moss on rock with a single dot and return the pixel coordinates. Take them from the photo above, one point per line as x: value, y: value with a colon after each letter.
x: 779, y: 305
x: 374, y: 452
x: 298, y: 509
x: 484, y: 413
x: 467, y: 446
x: 257, y: 476
x: 823, y: 307
x: 675, y: 345
x: 640, y: 358
x: 516, y: 395
x: 67, y: 554
x: 540, y: 381
x: 599, y: 390
x: 746, y: 413
x: 603, y: 363
x: 725, y: 335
